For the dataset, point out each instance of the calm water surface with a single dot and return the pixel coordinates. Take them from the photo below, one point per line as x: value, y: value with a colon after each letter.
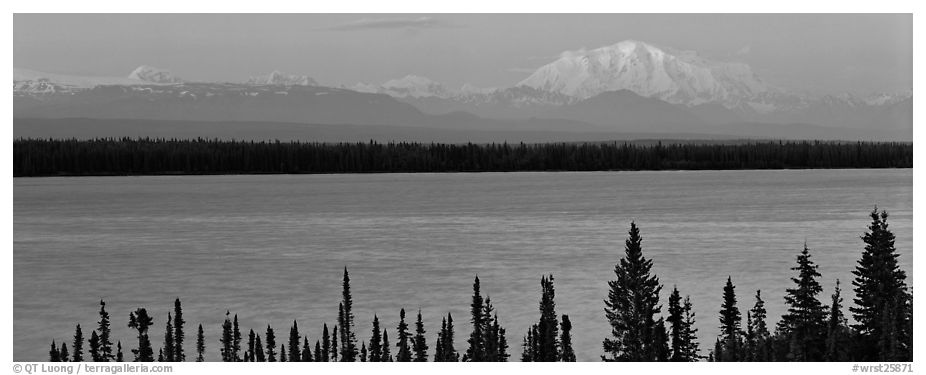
x: 272, y: 248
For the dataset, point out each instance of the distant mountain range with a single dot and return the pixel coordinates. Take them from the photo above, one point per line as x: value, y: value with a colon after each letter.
x: 628, y: 87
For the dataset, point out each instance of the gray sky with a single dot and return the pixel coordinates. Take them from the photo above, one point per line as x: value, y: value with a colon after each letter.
x: 819, y: 53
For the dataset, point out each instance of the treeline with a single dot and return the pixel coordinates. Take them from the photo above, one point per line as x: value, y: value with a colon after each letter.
x: 144, y: 156
x: 810, y: 330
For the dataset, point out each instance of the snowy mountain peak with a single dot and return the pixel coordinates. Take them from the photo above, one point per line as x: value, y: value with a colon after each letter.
x: 282, y: 79
x: 151, y: 74
x: 680, y: 77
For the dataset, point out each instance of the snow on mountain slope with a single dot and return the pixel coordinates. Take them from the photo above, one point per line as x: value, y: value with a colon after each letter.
x: 150, y: 74
x: 282, y: 79
x: 678, y: 77
x: 25, y: 79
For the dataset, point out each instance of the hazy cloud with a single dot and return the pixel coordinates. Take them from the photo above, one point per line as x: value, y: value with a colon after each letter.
x: 390, y: 23
x: 744, y: 51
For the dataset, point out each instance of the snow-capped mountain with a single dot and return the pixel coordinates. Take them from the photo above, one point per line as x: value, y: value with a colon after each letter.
x: 150, y: 74
x: 278, y: 78
x: 678, y: 77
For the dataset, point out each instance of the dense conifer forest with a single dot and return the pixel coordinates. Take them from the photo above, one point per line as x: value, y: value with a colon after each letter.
x: 815, y: 327
x: 40, y: 157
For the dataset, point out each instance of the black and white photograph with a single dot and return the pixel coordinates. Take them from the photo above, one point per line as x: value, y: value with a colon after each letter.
x: 461, y: 187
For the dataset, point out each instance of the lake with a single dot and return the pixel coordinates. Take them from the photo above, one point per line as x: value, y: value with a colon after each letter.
x: 271, y: 248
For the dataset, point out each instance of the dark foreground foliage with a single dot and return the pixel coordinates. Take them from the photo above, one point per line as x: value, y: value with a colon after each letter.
x: 36, y: 157
x: 809, y: 331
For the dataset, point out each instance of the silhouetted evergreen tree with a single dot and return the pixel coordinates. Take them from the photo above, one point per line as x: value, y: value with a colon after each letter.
x: 763, y: 347
x: 94, y: 347
x: 249, y: 354
x: 334, y: 344
x: 179, y: 355
x: 271, y: 345
x: 282, y: 353
x: 140, y: 321
x: 106, y: 346
x: 227, y: 339
x: 200, y: 344
x: 445, y: 350
x: 318, y: 349
x: 476, y: 351
x: 168, y: 341
x: 63, y: 353
x: 633, y: 300
x: 805, y: 322
x: 160, y: 354
x: 419, y: 343
x: 730, y: 322
x: 691, y: 351
x: 376, y: 344
x: 236, y: 342
x: 661, y: 350
x: 78, y: 345
x: 54, y: 354
x: 387, y: 357
x: 326, y: 344
x: 348, y: 337
x: 294, y: 352
x: 119, y: 351
x: 363, y: 352
x: 837, y: 330
x: 548, y: 327
x: 404, y: 353
x: 880, y: 294
x: 259, y: 349
x: 567, y: 353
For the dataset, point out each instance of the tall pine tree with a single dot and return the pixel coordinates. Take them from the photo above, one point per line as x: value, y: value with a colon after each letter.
x: 404, y: 353
x: 419, y: 343
x: 348, y: 338
x: 805, y: 322
x: 106, y: 345
x: 730, y: 323
x: 271, y: 345
x: 200, y: 344
x: 880, y: 288
x: 140, y: 321
x: 179, y: 355
x: 633, y: 300
x: 78, y: 345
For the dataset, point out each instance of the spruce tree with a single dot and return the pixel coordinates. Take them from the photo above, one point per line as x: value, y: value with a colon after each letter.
x: 548, y: 328
x: 660, y: 342
x: 419, y: 343
x: 676, y: 321
x: 251, y: 342
x: 805, y: 322
x: 179, y: 355
x: 54, y: 354
x: 119, y: 357
x: 363, y: 352
x: 200, y: 344
x: 633, y: 300
x: 78, y: 345
x: 140, y: 321
x: 691, y: 351
x: 450, y: 352
x: 236, y: 340
x: 169, y: 340
x: 387, y: 357
x: 837, y: 330
x: 63, y: 353
x: 376, y: 345
x: 106, y: 346
x: 271, y: 345
x: 326, y: 344
x: 334, y: 344
x: 259, y: 350
x: 227, y: 339
x: 94, y: 347
x: 318, y: 349
x: 404, y: 353
x: 348, y: 338
x: 282, y: 353
x: 567, y: 353
x: 730, y: 322
x: 476, y: 351
x: 294, y: 343
x: 306, y: 350
x: 762, y: 337
x: 880, y: 284
x: 160, y: 354
x: 528, y: 352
